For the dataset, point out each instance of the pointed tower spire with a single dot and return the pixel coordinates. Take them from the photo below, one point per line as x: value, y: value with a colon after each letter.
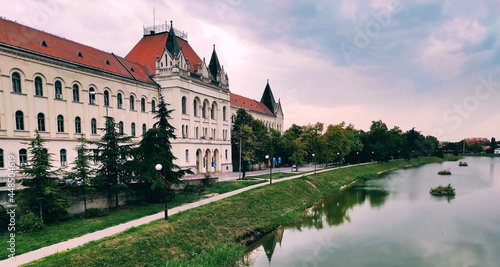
x: 214, y: 65
x: 172, y: 45
x: 268, y: 98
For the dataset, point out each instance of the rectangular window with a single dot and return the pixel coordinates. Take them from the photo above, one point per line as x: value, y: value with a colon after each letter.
x: 23, y: 157
x: 2, y: 164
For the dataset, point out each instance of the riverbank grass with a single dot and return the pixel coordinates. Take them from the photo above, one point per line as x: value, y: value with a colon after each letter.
x: 62, y: 231
x: 212, y: 235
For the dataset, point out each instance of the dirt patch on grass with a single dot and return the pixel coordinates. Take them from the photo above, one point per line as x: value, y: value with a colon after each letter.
x: 310, y: 183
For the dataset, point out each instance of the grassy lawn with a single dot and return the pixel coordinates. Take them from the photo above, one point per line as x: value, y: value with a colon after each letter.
x: 211, y: 235
x: 277, y: 175
x: 72, y: 228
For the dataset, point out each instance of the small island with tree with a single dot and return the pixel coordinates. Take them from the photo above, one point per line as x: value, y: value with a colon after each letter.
x: 444, y: 172
x: 443, y: 191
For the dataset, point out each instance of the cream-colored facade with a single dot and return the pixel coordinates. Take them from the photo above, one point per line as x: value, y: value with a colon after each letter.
x: 201, y: 116
x: 65, y: 100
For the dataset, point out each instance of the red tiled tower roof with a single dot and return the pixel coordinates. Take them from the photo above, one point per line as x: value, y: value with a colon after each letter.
x: 247, y: 103
x: 150, y: 46
x: 44, y: 44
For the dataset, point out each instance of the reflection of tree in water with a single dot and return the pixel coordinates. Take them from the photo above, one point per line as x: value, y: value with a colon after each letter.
x: 334, y: 208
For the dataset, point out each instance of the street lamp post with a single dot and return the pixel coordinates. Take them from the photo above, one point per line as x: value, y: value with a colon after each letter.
x: 357, y: 157
x: 338, y: 158
x: 270, y: 171
x: 239, y: 167
x: 314, y: 158
x: 158, y: 167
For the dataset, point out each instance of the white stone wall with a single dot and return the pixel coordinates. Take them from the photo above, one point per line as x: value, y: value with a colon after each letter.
x: 203, y: 149
x: 173, y: 87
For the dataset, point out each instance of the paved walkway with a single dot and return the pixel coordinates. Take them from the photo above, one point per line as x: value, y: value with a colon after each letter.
x: 78, y: 241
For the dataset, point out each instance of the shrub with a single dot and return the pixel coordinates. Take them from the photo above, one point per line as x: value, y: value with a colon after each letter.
x: 29, y: 222
x: 191, y: 188
x: 94, y: 213
x: 365, y: 176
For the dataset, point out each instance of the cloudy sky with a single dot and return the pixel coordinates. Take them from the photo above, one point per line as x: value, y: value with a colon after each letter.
x: 432, y: 65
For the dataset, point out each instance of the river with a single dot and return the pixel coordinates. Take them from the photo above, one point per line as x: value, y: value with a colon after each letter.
x: 394, y: 221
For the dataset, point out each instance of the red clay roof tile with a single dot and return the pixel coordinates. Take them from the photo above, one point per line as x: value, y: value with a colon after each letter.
x: 39, y: 42
x: 247, y: 103
x: 150, y: 46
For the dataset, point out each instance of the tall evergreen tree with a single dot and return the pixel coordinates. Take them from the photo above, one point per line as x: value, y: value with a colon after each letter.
x: 81, y: 172
x: 156, y: 148
x: 114, y: 171
x: 42, y: 194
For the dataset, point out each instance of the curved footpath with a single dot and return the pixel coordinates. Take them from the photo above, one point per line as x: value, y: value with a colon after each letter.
x: 78, y: 241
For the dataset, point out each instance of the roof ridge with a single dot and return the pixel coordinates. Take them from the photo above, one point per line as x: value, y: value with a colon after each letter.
x: 54, y: 35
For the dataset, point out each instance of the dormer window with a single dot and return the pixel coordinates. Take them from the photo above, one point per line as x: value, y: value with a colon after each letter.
x: 107, y: 62
x: 79, y: 54
x: 43, y: 43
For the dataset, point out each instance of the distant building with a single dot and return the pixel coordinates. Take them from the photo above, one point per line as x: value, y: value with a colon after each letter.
x: 497, y: 151
x: 266, y: 110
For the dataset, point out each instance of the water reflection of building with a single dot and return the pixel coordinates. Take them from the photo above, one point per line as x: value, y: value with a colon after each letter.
x: 267, y: 243
x: 272, y: 239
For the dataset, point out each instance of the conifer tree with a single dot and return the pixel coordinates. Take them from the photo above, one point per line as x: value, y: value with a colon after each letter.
x: 42, y: 194
x: 113, y: 171
x: 81, y: 172
x: 156, y: 148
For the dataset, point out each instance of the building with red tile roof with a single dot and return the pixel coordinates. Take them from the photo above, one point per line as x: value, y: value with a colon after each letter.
x: 64, y: 90
x: 266, y: 110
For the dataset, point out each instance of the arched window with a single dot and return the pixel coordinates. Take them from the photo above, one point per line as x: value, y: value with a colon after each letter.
x: 40, y: 119
x: 132, y: 102
x: 132, y: 129
x: 183, y: 131
x: 16, y: 83
x: 144, y: 128
x: 78, y: 125
x: 91, y: 95
x: 224, y: 113
x: 187, y: 155
x: 212, y: 111
x: 2, y: 164
x: 184, y: 107
x: 143, y: 104
x: 204, y: 110
x: 120, y: 127
x: 60, y: 124
x: 187, y: 132
x: 93, y: 126
x: 153, y: 106
x: 119, y: 100
x: 58, y: 89
x: 62, y: 157
x: 195, y: 108
x: 76, y: 93
x: 106, y: 98
x: 19, y: 120
x: 23, y: 156
x: 38, y: 86
x: 196, y: 132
